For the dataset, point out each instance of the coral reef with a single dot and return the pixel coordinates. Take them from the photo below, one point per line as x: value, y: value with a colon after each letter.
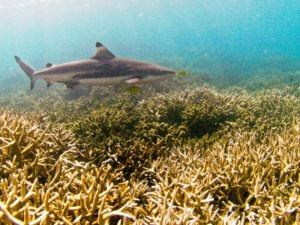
x: 180, y: 153
x: 42, y: 183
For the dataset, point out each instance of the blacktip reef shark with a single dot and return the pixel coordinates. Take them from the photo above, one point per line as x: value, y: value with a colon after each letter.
x: 102, y: 69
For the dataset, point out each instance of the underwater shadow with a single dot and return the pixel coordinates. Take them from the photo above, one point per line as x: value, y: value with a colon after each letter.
x: 209, y: 125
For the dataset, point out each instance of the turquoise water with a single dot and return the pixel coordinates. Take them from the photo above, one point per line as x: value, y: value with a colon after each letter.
x: 198, y: 35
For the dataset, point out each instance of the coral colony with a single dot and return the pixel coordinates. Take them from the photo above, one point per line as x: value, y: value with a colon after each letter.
x: 181, y: 153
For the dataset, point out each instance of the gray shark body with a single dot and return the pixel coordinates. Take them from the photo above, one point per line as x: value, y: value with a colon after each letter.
x: 102, y: 69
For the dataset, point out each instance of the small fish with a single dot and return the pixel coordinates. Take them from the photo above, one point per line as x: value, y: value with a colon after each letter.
x: 134, y: 90
x: 182, y: 73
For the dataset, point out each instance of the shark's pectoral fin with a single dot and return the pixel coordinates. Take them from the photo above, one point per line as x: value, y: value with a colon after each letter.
x: 133, y: 80
x: 102, y: 52
x: 71, y: 84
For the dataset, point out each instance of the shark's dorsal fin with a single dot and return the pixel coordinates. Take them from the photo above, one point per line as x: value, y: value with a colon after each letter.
x: 48, y: 65
x: 102, y: 52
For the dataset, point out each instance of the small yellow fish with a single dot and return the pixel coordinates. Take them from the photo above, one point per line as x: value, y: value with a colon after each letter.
x: 182, y: 73
x: 134, y: 90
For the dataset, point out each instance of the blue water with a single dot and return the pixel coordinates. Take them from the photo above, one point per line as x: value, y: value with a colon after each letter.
x: 195, y: 34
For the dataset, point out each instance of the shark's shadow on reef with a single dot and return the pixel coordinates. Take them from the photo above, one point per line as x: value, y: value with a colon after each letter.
x: 209, y: 126
x: 76, y: 92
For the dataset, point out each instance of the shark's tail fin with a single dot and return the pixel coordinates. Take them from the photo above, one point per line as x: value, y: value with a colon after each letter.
x: 28, y: 70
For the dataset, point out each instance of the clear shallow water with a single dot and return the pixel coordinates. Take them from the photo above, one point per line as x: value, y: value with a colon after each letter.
x: 206, y: 35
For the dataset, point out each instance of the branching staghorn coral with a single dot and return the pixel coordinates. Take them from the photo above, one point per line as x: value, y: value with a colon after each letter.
x: 192, y: 155
x: 87, y: 195
x: 41, y: 181
x: 236, y: 181
x: 32, y: 144
x: 272, y: 80
x: 129, y: 135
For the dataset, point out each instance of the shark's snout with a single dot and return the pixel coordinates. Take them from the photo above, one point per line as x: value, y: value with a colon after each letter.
x: 164, y: 71
x: 168, y: 72
x: 171, y: 72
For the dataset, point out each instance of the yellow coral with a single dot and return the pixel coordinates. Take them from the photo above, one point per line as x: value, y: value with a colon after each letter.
x: 192, y: 155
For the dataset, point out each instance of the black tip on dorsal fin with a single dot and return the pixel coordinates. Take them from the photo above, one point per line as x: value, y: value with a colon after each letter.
x: 48, y: 65
x: 98, y: 44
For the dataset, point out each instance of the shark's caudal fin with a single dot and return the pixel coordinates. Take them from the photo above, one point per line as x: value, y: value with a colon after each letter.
x: 28, y: 70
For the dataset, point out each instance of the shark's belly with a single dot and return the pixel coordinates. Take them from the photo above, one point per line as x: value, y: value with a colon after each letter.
x: 120, y: 80
x: 65, y: 77
x: 103, y: 80
x: 153, y: 79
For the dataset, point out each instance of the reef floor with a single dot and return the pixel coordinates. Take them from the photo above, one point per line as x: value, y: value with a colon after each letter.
x: 182, y: 152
